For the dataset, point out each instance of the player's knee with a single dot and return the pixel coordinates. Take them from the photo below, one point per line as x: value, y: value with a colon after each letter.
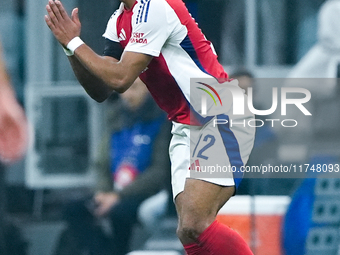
x: 191, y: 229
x: 188, y: 233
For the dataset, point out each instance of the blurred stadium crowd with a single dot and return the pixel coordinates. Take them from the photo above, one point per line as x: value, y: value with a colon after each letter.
x: 260, y: 42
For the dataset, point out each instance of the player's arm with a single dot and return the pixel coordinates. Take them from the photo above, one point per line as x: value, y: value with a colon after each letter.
x: 87, y: 79
x: 99, y: 75
x: 119, y: 76
x: 4, y: 80
x: 63, y: 27
x: 13, y: 126
x: 94, y: 86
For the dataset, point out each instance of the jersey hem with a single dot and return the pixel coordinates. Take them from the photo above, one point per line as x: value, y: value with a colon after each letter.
x: 145, y: 51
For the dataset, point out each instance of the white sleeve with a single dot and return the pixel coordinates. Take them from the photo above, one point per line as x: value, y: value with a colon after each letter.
x: 150, y: 28
x: 111, y: 28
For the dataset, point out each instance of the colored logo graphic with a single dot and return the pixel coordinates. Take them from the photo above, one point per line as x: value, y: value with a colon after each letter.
x: 209, y: 93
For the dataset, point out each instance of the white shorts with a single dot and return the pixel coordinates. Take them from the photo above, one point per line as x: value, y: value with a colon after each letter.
x: 215, y: 152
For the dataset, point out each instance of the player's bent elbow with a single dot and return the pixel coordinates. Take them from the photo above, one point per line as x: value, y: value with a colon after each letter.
x: 120, y: 89
x: 99, y: 96
x: 121, y: 85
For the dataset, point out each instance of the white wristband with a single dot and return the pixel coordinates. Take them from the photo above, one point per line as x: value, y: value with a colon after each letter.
x: 68, y: 52
x: 74, y: 44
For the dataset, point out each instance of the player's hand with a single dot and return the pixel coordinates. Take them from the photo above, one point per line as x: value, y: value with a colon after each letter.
x: 63, y: 27
x: 13, y: 127
x: 104, y: 202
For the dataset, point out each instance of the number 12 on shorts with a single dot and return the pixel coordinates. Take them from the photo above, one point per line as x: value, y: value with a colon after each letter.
x: 209, y: 141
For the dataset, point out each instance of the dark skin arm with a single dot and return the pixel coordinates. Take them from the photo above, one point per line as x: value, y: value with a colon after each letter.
x: 99, y: 75
x: 100, y: 92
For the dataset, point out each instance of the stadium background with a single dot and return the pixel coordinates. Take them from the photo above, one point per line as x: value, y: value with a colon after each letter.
x: 268, y: 38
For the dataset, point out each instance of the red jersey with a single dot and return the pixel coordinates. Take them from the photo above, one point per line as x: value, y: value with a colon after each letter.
x: 165, y: 30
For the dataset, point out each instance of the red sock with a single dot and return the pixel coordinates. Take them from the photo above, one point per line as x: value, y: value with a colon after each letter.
x: 219, y: 239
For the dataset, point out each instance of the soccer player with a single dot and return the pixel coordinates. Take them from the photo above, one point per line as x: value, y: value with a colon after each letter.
x: 159, y: 42
x: 13, y: 125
